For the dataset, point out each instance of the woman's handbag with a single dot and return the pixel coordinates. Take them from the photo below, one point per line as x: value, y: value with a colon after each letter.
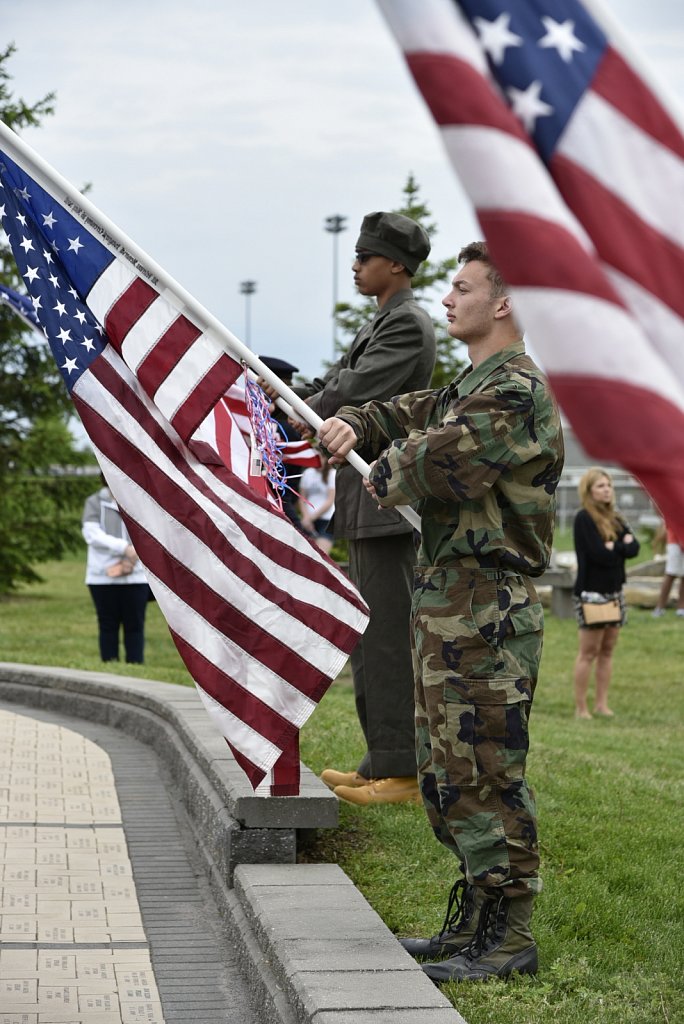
x: 606, y: 612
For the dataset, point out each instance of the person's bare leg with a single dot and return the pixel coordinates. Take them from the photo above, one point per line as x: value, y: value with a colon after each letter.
x: 589, y: 644
x: 680, y: 600
x: 665, y: 588
x: 604, y: 668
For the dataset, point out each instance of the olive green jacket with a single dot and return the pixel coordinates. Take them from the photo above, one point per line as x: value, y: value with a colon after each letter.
x: 393, y: 353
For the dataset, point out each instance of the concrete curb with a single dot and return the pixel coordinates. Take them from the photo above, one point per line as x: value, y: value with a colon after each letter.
x: 333, y: 957
x: 314, y: 950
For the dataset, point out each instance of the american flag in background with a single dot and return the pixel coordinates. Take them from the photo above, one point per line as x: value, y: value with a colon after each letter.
x: 232, y: 427
x: 301, y: 453
x: 227, y: 431
x: 262, y: 620
x: 21, y: 305
x: 576, y: 172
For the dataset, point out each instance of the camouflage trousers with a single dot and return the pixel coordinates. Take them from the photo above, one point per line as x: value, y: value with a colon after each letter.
x: 477, y: 646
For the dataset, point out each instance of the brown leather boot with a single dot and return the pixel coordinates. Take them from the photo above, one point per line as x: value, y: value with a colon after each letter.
x: 402, y: 790
x: 333, y: 778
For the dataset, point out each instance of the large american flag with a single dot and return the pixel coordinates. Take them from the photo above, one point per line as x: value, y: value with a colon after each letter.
x: 576, y: 171
x: 262, y: 620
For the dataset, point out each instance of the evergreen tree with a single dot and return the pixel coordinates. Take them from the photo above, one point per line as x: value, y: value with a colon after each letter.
x: 39, y: 504
x: 431, y: 275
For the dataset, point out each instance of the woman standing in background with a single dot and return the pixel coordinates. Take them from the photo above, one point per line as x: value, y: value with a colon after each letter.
x: 115, y: 578
x: 603, y: 541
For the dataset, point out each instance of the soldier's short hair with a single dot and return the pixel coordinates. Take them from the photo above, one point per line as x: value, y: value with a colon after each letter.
x: 478, y: 251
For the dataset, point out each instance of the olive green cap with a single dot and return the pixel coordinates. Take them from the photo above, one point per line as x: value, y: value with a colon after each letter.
x: 396, y: 237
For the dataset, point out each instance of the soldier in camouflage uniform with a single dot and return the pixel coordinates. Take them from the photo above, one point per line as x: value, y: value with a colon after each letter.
x: 480, y: 459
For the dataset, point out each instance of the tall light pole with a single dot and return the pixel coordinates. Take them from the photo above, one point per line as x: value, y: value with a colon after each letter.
x: 247, y: 288
x: 335, y: 225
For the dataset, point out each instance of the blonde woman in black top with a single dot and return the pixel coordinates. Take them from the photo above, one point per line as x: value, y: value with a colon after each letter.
x: 603, y: 541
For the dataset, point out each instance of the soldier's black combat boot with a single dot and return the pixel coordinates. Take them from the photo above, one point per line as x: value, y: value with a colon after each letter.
x: 502, y: 944
x: 460, y: 924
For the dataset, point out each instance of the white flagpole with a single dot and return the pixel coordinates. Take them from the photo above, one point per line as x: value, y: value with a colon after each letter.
x: 118, y: 243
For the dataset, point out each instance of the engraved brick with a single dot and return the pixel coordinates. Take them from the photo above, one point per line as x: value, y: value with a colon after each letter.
x: 52, y: 858
x: 98, y: 1002
x: 116, y: 869
x: 17, y: 990
x: 53, y: 996
x: 55, y: 932
x: 85, y: 886
x: 15, y: 927
x: 142, y: 1013
x: 95, y: 971
x: 14, y: 873
x: 17, y: 902
x: 119, y: 891
x: 57, y: 965
x: 51, y: 837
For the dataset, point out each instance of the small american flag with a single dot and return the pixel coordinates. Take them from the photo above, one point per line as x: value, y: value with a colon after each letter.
x: 226, y: 432
x: 300, y: 453
x: 19, y: 304
x: 232, y: 412
x: 576, y: 172
x: 262, y: 620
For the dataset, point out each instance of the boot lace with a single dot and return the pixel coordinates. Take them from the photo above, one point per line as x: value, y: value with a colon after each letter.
x: 492, y: 919
x: 460, y: 898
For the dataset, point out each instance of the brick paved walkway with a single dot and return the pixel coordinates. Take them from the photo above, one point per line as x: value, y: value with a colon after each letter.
x: 73, y: 949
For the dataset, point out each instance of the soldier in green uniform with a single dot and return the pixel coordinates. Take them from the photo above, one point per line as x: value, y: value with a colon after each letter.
x: 480, y: 459
x: 393, y: 352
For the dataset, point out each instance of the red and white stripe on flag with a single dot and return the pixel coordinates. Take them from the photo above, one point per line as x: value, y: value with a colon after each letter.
x: 183, y: 369
x: 263, y: 621
x: 587, y: 228
x: 301, y: 452
x: 226, y: 432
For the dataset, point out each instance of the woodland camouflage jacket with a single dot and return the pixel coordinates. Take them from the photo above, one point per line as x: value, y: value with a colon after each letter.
x: 480, y: 461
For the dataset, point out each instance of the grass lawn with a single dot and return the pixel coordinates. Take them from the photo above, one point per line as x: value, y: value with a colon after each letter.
x: 610, y: 922
x: 54, y: 623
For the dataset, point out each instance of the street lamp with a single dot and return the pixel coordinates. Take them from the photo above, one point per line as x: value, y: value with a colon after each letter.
x: 247, y: 288
x: 335, y: 225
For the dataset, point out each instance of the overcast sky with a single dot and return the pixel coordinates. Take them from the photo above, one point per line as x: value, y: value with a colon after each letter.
x: 220, y: 134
